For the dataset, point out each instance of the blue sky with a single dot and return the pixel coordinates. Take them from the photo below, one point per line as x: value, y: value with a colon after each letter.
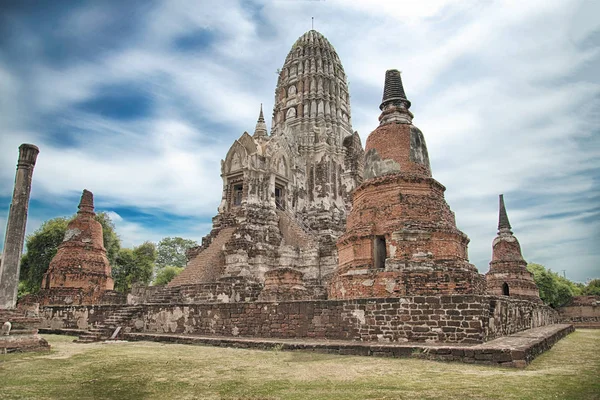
x: 138, y: 102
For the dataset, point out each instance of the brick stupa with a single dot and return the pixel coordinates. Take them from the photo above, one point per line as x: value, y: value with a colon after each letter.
x: 80, y: 270
x: 401, y: 236
x: 508, y: 273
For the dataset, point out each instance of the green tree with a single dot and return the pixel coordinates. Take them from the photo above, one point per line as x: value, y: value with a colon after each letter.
x: 42, y: 245
x: 555, y: 290
x: 592, y: 288
x: 112, y: 242
x: 134, y: 266
x: 171, y: 252
x: 166, y: 274
x: 41, y: 248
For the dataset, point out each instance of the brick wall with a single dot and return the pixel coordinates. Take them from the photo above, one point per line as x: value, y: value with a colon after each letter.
x: 450, y: 319
x: 74, y: 317
x: 582, y: 310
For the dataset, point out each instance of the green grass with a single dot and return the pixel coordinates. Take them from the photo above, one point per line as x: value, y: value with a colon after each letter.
x: 145, y: 370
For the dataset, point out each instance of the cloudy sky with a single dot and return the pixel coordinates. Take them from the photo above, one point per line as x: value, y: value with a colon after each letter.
x: 138, y: 101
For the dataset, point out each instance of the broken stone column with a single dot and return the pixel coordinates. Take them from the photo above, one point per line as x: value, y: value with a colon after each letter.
x: 15, y: 228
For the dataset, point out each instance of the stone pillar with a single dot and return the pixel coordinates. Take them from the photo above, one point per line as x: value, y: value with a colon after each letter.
x: 15, y: 228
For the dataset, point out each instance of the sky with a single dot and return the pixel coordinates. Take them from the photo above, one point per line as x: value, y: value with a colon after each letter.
x: 138, y: 101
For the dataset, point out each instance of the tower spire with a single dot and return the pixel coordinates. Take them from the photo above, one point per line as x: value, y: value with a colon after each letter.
x: 394, y: 104
x: 261, y: 126
x: 86, y: 204
x: 393, y: 91
x: 503, y: 223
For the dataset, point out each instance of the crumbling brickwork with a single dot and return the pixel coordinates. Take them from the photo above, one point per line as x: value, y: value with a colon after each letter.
x: 444, y: 319
x: 508, y: 274
x: 401, y: 236
x: 79, y: 272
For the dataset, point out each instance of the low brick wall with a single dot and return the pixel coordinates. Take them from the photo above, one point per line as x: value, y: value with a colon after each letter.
x: 451, y: 319
x: 444, y: 319
x: 74, y: 317
x: 233, y: 291
x: 583, y: 310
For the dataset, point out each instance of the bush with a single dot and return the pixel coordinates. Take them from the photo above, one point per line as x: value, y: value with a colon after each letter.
x: 166, y: 274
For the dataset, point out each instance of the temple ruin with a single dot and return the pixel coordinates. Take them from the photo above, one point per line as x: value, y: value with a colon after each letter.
x: 286, y: 195
x: 80, y: 272
x: 508, y: 275
x: 401, y: 238
x: 303, y: 248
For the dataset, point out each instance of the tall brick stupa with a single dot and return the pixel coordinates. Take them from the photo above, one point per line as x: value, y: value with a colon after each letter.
x: 401, y: 236
x: 80, y: 269
x: 508, y: 273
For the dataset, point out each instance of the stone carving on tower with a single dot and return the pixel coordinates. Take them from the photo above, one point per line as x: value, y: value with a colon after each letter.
x: 286, y: 194
x: 401, y: 237
x: 508, y: 274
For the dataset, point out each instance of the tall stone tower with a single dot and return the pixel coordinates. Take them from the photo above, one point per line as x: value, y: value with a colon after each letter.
x: 15, y: 227
x: 508, y: 273
x: 401, y: 236
x: 80, y: 269
x: 286, y: 194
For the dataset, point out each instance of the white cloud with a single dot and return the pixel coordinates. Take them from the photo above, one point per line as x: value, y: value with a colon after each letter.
x: 495, y: 88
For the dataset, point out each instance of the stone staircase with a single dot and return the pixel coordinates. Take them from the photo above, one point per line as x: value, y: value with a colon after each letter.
x: 208, y: 265
x: 106, y: 329
x: 294, y: 232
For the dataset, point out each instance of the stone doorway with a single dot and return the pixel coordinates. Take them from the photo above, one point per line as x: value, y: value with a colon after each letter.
x: 379, y: 252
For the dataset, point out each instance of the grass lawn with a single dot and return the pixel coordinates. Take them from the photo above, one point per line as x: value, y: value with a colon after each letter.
x: 146, y: 370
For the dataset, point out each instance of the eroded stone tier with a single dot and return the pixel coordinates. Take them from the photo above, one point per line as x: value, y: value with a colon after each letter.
x: 401, y: 236
x: 508, y: 274
x: 80, y: 265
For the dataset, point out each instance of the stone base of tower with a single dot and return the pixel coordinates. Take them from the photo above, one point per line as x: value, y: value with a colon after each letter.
x: 506, y: 278
x: 412, y: 279
x: 402, y: 240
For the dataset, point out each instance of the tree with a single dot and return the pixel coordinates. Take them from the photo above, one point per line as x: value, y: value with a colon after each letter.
x: 42, y: 245
x: 41, y: 248
x: 134, y: 266
x: 166, y: 274
x: 112, y: 242
x: 592, y: 288
x: 555, y: 290
x: 171, y: 252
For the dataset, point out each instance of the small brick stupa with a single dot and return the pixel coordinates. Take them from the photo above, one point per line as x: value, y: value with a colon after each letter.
x: 508, y: 273
x: 401, y: 236
x: 80, y: 272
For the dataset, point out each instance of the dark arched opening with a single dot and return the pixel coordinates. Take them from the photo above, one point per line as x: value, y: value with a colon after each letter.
x: 505, y: 290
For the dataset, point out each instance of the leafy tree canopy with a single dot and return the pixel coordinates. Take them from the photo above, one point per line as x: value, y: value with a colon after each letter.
x: 134, y: 266
x: 166, y: 274
x: 171, y: 252
x: 592, y: 288
x: 555, y: 290
x: 42, y: 245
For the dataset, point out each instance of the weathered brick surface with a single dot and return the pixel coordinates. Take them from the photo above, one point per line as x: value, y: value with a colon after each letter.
x: 583, y: 310
x: 508, y: 274
x: 80, y: 272
x: 444, y: 319
x: 401, y: 236
x: 426, y: 253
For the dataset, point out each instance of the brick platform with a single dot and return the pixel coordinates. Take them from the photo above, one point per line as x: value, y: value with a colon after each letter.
x: 516, y: 350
